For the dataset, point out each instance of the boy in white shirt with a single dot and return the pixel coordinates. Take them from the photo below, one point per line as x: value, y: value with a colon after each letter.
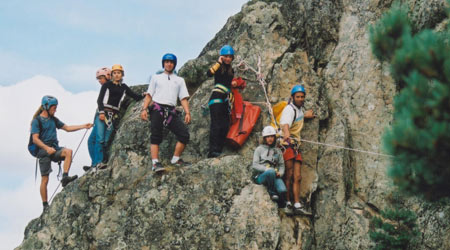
x: 163, y: 91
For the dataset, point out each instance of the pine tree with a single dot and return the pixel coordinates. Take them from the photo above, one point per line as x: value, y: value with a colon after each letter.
x: 396, y: 229
x: 419, y: 138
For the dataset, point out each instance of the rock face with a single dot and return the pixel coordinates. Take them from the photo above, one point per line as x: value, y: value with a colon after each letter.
x: 213, y: 204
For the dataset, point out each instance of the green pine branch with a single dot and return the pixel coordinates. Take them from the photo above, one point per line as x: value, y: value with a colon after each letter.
x: 420, y: 135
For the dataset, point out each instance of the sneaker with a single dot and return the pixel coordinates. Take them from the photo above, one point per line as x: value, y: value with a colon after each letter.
x: 66, y: 180
x: 102, y: 165
x: 158, y: 167
x: 274, y: 197
x: 288, y: 209
x: 86, y: 168
x: 181, y: 163
x: 301, y: 210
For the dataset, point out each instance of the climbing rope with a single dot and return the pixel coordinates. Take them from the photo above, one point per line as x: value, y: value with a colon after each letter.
x: 73, y: 157
x: 244, y: 66
x: 262, y: 82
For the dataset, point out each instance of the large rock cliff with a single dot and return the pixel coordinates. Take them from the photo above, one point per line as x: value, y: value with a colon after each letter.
x: 213, y: 204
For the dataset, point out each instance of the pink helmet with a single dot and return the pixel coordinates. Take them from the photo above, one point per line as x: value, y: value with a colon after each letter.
x: 104, y: 72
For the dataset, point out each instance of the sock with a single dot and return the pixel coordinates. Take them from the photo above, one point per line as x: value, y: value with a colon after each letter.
x: 65, y: 175
x: 174, y: 159
x: 297, y: 205
x: 45, y: 204
x: 154, y: 161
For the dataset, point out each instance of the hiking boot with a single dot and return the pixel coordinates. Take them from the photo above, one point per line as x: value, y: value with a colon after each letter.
x: 86, y: 168
x: 66, y: 180
x: 102, y: 165
x: 181, y: 163
x: 213, y: 154
x: 275, y: 197
x: 288, y: 209
x: 46, y: 208
x: 158, y: 167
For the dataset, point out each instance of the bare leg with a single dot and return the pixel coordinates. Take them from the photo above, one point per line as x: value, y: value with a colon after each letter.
x: 154, y: 150
x: 179, y: 148
x: 43, y: 189
x: 67, y: 153
x: 297, y: 179
x: 288, y: 178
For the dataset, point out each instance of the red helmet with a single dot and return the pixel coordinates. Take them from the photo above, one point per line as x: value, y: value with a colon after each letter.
x: 103, y: 72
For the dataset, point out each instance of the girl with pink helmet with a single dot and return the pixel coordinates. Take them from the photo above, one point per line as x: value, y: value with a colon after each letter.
x: 103, y: 75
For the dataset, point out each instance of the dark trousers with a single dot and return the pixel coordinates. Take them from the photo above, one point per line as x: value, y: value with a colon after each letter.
x: 220, y: 124
x: 176, y: 126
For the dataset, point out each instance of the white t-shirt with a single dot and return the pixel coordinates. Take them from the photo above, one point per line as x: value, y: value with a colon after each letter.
x: 165, y: 89
x: 287, y: 115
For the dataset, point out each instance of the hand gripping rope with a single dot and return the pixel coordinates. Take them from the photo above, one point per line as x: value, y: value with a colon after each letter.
x: 244, y: 66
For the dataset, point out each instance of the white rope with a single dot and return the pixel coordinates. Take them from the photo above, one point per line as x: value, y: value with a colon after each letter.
x: 261, y: 80
x: 346, y: 148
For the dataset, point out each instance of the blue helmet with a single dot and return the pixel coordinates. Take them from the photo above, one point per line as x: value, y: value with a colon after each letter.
x: 48, y: 101
x: 226, y: 50
x: 298, y: 88
x: 170, y: 57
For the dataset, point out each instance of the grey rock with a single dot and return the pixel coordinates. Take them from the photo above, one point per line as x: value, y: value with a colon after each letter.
x: 213, y: 204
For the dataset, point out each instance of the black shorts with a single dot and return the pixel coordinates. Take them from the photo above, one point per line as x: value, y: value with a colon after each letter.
x: 176, y: 126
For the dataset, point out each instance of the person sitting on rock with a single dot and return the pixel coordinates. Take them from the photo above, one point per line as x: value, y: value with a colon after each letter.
x: 164, y: 90
x: 103, y: 75
x: 43, y: 132
x: 291, y: 123
x: 109, y: 99
x: 268, y: 165
x: 219, y: 106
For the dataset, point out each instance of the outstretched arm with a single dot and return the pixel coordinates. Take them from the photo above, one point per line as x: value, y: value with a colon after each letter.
x: 132, y: 94
x: 72, y: 128
x: 309, y: 114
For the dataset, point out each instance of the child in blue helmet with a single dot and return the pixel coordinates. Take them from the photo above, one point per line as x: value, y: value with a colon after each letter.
x: 43, y: 132
x: 163, y: 92
x: 219, y: 101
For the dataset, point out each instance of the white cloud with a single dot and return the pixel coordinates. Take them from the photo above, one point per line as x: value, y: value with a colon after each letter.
x: 21, y: 199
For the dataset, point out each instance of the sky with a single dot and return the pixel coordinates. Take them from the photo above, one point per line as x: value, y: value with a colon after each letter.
x: 54, y: 48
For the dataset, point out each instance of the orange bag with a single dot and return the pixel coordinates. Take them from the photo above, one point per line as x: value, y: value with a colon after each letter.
x: 242, y: 127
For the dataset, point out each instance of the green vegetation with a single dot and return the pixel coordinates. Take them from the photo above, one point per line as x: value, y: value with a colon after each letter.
x: 396, y: 229
x: 419, y: 137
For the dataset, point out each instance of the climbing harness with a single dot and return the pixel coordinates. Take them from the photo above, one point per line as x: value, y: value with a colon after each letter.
x: 73, y: 157
x: 224, y: 90
x: 109, y: 119
x: 244, y: 66
x: 167, y: 112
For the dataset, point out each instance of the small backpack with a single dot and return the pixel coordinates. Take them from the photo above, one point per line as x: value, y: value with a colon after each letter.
x: 33, y: 148
x: 277, y: 111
